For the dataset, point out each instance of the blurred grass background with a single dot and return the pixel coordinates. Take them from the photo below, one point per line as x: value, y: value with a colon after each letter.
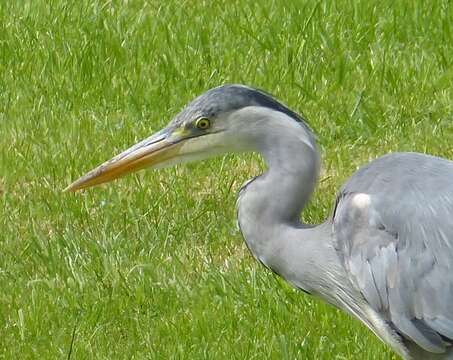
x: 153, y: 265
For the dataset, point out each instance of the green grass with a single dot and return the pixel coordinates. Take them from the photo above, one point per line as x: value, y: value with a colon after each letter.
x: 153, y: 265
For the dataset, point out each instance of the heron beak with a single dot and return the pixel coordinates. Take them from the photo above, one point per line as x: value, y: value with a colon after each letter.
x: 150, y: 152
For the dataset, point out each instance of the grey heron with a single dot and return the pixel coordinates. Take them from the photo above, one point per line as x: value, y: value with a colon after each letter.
x: 384, y: 255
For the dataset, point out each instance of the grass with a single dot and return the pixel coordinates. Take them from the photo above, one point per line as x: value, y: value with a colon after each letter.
x: 153, y: 265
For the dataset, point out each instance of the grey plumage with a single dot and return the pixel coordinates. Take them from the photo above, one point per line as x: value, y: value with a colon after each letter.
x: 398, y: 249
x: 384, y: 255
x: 232, y: 97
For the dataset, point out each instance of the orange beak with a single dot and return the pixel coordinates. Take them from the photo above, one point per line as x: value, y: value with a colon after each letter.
x: 148, y: 153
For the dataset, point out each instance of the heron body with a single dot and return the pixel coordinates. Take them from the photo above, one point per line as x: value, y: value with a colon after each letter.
x: 385, y: 253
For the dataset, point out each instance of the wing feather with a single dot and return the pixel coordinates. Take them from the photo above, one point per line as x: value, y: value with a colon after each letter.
x: 397, y: 246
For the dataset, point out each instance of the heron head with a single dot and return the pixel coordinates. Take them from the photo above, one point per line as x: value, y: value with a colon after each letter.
x: 224, y: 119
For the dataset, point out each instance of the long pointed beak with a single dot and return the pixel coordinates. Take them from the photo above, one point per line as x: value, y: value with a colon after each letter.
x: 148, y: 153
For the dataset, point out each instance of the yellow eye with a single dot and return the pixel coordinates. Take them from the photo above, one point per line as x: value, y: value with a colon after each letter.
x: 203, y: 123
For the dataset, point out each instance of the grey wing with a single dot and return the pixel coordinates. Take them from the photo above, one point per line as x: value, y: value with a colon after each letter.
x: 393, y: 230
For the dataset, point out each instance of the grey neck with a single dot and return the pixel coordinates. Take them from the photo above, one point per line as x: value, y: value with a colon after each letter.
x: 275, y: 199
x: 293, y: 167
x: 280, y: 194
x: 269, y: 209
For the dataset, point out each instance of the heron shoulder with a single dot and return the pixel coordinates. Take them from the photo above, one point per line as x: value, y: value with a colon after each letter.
x: 393, y: 234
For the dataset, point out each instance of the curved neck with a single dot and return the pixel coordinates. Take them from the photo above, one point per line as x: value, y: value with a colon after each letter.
x: 269, y: 209
x: 272, y: 203
x: 293, y: 168
x: 280, y: 194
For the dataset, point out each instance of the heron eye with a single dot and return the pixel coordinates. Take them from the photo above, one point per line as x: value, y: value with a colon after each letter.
x: 203, y: 123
